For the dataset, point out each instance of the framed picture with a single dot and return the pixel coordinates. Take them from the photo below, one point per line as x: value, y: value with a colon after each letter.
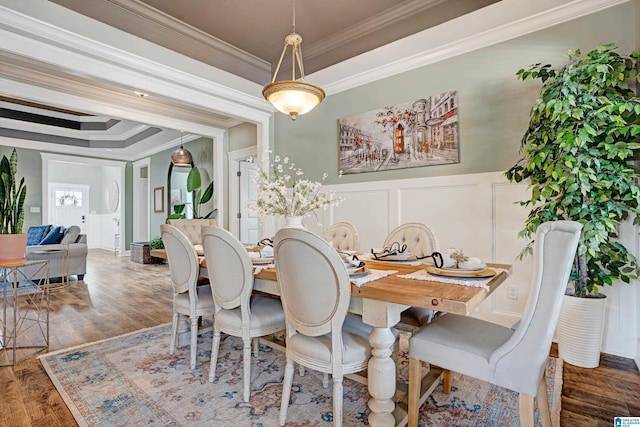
x: 423, y: 132
x: 158, y: 200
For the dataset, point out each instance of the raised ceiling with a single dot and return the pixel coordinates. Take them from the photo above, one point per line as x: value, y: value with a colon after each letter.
x: 246, y: 37
x: 243, y: 37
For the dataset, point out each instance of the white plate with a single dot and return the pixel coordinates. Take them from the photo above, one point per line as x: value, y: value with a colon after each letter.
x: 402, y: 257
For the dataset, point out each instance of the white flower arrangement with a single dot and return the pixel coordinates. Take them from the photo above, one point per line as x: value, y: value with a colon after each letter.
x: 286, y: 193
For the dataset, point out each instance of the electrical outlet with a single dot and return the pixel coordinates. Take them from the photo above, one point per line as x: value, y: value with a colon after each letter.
x: 512, y: 292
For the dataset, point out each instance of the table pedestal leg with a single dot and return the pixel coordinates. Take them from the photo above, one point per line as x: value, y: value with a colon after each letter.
x: 381, y: 377
x: 382, y: 369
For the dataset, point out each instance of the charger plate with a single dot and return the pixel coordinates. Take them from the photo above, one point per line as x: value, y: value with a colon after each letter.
x: 361, y: 272
x: 487, y: 272
x: 259, y: 261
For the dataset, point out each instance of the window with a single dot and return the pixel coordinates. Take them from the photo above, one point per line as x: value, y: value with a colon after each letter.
x: 68, y: 198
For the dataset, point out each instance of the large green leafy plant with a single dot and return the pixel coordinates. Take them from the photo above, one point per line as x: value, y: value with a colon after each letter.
x: 12, y: 196
x: 194, y: 182
x: 583, y: 131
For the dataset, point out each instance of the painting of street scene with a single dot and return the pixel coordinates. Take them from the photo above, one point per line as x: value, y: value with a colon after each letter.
x: 413, y: 134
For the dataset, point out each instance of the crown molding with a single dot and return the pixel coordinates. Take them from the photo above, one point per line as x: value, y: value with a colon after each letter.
x: 493, y: 24
x: 173, y: 32
x: 369, y: 26
x: 26, y: 36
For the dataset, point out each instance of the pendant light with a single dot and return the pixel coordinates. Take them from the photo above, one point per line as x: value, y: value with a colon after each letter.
x: 181, y: 156
x: 293, y: 97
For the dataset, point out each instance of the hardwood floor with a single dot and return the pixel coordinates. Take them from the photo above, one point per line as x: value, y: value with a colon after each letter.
x: 120, y: 296
x: 116, y: 297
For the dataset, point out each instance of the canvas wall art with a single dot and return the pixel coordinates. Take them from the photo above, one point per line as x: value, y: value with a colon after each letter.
x: 423, y: 132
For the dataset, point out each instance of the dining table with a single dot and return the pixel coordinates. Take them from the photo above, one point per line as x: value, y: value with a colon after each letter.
x: 380, y: 303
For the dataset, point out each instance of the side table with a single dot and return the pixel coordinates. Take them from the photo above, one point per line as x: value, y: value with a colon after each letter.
x: 25, y: 310
x: 64, y: 262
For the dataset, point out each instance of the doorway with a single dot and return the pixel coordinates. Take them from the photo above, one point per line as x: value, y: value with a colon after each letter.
x: 247, y: 196
x: 245, y: 231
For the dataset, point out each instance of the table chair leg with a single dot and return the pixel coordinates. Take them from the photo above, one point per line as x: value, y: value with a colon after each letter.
x: 543, y: 402
x: 415, y: 379
x: 447, y: 378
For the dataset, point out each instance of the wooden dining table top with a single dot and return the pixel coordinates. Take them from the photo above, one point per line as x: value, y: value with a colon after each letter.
x: 451, y: 298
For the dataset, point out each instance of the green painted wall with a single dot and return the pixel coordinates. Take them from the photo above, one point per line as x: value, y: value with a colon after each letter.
x: 493, y: 105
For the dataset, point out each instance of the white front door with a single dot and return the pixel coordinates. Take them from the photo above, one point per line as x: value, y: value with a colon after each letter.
x: 69, y: 205
x: 248, y: 194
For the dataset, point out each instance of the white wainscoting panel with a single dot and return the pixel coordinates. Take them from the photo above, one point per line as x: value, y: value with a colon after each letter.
x: 367, y: 207
x: 101, y: 231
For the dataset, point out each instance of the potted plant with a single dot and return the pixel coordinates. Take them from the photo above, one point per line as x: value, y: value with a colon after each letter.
x: 582, y: 133
x: 12, y: 195
x: 194, y: 182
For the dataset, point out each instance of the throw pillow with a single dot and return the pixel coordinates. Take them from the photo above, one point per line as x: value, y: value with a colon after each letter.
x: 55, y: 236
x: 71, y: 235
x: 36, y: 233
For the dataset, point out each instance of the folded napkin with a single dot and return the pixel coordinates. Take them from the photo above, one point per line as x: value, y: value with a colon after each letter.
x: 373, y: 275
x: 198, y: 248
x: 350, y: 261
x: 257, y: 269
x: 470, y: 263
x: 473, y: 282
x: 264, y: 252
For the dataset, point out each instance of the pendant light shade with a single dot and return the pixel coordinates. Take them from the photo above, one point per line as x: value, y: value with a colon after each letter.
x: 181, y: 156
x: 295, y: 96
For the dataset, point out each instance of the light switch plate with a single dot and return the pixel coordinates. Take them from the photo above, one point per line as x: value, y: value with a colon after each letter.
x: 34, y: 209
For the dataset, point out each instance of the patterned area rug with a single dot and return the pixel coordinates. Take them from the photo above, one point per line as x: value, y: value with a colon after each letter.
x: 132, y: 380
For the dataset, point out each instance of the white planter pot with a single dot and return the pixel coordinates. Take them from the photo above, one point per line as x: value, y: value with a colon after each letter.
x: 580, y: 328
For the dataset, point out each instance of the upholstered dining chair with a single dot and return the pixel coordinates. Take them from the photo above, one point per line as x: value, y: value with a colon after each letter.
x: 420, y: 241
x: 343, y: 236
x: 419, y: 238
x: 192, y: 227
x: 511, y: 358
x: 188, y: 298
x: 315, y: 291
x: 237, y: 312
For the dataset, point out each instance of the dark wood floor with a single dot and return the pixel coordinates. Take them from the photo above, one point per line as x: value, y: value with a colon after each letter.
x: 119, y: 296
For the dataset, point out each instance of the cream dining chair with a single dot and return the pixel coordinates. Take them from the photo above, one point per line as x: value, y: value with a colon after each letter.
x: 188, y: 298
x: 237, y: 312
x: 509, y: 358
x: 315, y: 291
x: 420, y: 241
x: 343, y: 236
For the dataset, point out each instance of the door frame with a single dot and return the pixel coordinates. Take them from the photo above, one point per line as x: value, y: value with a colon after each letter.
x: 234, y: 159
x: 139, y: 208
